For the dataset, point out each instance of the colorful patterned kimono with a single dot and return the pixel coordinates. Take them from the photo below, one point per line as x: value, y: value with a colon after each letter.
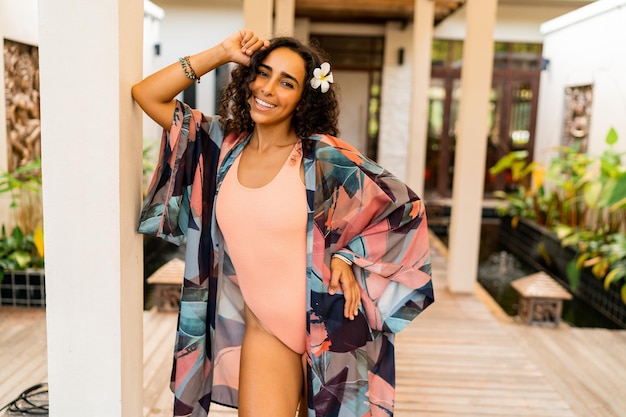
x: 355, y: 208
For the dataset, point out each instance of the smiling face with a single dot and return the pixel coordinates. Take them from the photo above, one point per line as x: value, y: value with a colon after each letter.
x: 277, y: 88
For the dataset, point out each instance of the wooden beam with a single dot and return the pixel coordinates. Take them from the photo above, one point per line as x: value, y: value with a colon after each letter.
x: 370, y: 9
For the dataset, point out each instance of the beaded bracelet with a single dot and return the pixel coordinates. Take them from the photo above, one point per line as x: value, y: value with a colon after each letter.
x: 343, y: 258
x: 188, y: 69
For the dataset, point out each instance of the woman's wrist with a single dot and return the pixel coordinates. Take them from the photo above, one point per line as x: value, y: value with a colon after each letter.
x: 343, y: 258
x: 188, y: 68
x: 204, y: 62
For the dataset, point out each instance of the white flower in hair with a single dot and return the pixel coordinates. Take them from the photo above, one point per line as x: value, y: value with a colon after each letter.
x: 322, y: 77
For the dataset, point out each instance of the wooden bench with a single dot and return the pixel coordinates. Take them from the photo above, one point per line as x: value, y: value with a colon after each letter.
x: 541, y: 299
x: 167, y: 282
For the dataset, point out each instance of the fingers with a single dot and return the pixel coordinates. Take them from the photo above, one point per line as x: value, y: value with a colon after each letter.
x: 240, y: 46
x: 341, y: 274
x: 251, y: 43
x: 352, y: 295
x: 335, y: 275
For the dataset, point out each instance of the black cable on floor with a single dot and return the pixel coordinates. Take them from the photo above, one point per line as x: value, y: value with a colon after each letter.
x: 32, y: 402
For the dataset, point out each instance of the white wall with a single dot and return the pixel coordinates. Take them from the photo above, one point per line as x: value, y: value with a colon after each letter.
x: 353, y: 100
x: 584, y: 47
x: 189, y: 27
x: 18, y: 22
x: 395, y: 109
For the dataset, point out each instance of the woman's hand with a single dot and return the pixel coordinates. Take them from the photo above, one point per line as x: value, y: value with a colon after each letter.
x: 341, y: 273
x: 241, y: 45
x: 156, y: 93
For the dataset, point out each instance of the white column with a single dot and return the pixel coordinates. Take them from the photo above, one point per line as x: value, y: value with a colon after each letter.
x: 258, y: 16
x: 471, y: 146
x: 423, y: 19
x: 90, y: 55
x: 284, y: 21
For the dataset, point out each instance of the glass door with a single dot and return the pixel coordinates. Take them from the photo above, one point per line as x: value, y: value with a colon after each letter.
x: 513, y: 111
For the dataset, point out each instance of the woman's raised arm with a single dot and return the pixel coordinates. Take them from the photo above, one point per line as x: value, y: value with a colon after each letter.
x: 155, y: 94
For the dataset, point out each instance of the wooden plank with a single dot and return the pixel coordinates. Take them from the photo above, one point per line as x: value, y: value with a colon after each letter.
x: 578, y: 369
x: 159, y: 340
x: 23, y: 361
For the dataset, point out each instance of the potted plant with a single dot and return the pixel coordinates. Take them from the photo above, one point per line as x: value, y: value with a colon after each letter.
x: 575, y: 210
x: 22, y: 280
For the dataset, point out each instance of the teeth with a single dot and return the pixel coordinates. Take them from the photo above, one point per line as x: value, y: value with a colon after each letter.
x: 264, y: 104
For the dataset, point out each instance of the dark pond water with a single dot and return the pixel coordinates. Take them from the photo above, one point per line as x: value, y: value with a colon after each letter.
x: 498, y: 268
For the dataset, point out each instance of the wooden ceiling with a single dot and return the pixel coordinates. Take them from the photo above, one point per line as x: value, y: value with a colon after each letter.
x: 368, y: 11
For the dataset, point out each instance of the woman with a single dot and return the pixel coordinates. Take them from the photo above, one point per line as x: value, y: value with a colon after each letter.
x: 330, y: 251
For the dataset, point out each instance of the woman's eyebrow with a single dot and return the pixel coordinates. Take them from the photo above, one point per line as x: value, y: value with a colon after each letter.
x: 283, y: 73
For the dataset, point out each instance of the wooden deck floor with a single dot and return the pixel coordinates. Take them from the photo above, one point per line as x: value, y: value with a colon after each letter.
x: 462, y: 357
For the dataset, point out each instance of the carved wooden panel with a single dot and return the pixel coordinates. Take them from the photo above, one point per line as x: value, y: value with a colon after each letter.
x: 577, y: 119
x: 21, y: 85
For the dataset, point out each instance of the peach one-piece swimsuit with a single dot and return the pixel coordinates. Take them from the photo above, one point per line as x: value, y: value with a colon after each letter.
x: 265, y: 233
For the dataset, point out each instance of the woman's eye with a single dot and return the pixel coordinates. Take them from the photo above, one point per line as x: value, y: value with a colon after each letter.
x: 262, y: 74
x: 288, y: 84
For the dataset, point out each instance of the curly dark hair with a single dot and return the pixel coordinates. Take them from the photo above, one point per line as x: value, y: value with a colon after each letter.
x: 317, y: 112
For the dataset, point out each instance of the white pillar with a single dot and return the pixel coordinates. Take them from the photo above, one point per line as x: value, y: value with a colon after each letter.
x: 471, y: 146
x: 258, y: 16
x: 90, y: 55
x: 285, y: 17
x: 423, y: 19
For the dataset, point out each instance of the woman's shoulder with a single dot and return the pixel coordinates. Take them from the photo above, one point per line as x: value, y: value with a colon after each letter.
x: 334, y: 142
x: 339, y: 152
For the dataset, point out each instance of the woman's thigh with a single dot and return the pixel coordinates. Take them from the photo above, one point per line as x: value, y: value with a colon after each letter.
x: 270, y: 376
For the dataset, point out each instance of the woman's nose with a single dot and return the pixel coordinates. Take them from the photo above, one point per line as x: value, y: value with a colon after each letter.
x: 268, y: 88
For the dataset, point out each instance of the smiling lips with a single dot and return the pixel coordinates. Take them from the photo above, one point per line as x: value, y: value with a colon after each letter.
x: 264, y: 104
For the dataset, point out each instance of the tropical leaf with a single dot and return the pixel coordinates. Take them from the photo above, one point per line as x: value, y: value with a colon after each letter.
x: 618, y: 205
x: 599, y: 270
x: 507, y: 161
x: 611, y: 137
x: 21, y: 258
x: 607, y: 191
x: 515, y: 222
x: 573, y: 275
x: 562, y: 231
x: 591, y: 194
x: 571, y: 240
x: 38, y: 240
x: 618, y: 192
x: 614, y: 275
x: 541, y: 248
x: 581, y: 260
x: 538, y: 176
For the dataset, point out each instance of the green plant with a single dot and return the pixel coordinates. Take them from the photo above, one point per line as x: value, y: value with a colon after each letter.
x: 589, y: 192
x: 24, y: 188
x: 22, y: 248
x: 148, y: 166
x: 525, y: 199
x: 594, y: 216
x: 582, y: 198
